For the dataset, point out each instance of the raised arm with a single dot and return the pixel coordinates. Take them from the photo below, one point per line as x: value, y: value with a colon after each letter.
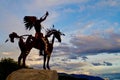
x: 44, y: 17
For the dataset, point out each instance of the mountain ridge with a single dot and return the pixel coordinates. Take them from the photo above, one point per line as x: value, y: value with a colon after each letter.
x: 65, y: 76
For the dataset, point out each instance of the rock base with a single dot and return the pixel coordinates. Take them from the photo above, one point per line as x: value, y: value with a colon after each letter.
x: 33, y: 74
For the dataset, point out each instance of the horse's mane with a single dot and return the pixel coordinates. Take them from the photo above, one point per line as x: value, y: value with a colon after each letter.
x: 52, y: 30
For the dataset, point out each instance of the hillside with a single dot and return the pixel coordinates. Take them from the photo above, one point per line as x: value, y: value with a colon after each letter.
x: 64, y: 76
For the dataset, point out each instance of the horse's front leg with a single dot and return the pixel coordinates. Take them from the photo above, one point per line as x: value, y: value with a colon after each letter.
x: 44, y: 67
x: 19, y: 59
x: 48, y: 59
x: 24, y: 59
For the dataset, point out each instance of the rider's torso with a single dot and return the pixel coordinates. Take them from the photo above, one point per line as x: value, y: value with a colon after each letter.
x: 37, y: 26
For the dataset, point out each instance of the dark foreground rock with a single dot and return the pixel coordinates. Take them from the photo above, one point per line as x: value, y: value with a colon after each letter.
x: 33, y: 74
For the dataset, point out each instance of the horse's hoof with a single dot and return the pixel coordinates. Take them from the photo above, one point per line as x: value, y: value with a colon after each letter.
x: 44, y: 68
x: 48, y: 68
x: 41, y: 55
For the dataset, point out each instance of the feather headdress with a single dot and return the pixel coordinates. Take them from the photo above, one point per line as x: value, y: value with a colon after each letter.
x: 29, y: 21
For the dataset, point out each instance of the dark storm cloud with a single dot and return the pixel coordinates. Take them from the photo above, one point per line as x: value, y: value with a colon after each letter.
x: 73, y: 56
x: 92, y: 44
x: 102, y: 64
x: 107, y: 63
x: 96, y: 44
x: 84, y: 58
x: 97, y: 64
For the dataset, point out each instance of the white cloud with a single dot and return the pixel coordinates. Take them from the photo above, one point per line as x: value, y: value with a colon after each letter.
x: 10, y: 23
x: 104, y: 5
x: 7, y: 53
x: 85, y: 27
x: 111, y: 3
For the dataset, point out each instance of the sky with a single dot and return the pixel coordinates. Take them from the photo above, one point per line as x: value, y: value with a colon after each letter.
x: 91, y: 44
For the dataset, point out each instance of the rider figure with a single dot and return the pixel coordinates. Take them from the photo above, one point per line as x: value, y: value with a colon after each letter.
x: 38, y: 34
x: 38, y: 26
x: 32, y: 21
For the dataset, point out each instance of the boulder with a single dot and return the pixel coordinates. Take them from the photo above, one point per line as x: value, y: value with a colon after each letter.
x: 33, y: 74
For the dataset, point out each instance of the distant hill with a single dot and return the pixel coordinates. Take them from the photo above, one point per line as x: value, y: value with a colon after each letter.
x: 64, y: 76
x: 111, y: 76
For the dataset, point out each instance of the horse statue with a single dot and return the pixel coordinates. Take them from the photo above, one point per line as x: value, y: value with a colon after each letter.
x: 32, y: 42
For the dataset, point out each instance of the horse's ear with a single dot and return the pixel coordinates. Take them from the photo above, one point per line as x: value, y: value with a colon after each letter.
x: 62, y: 33
x: 53, y: 25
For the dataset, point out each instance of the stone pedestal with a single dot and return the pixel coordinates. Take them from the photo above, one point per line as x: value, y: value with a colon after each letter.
x: 33, y: 74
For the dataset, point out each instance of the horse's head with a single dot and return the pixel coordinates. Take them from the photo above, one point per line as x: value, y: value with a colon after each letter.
x: 56, y: 33
x: 12, y: 36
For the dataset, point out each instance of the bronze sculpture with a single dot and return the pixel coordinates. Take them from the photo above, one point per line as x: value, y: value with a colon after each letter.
x: 39, y: 42
x: 31, y: 42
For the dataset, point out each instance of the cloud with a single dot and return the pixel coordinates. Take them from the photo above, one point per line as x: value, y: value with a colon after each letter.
x: 96, y: 44
x: 7, y: 53
x: 65, y: 66
x: 11, y: 23
x: 91, y: 44
x: 102, y: 4
x: 110, y: 3
x: 62, y: 48
x: 69, y: 67
x: 97, y: 64
x: 85, y: 26
x: 107, y: 63
x: 102, y: 64
x: 40, y: 5
x: 84, y: 58
x: 73, y: 56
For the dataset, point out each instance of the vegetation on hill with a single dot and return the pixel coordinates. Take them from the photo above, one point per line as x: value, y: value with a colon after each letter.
x: 7, y: 65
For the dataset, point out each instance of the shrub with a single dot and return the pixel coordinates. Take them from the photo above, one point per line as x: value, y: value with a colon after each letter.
x: 7, y: 65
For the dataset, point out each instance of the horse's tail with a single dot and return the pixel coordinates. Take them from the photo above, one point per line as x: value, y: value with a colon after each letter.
x: 12, y: 36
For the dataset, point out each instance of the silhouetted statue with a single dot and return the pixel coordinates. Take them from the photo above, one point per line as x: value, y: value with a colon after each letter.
x: 31, y: 42
x: 32, y: 21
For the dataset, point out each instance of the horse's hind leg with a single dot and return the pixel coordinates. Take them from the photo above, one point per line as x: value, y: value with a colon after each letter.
x: 19, y: 59
x: 48, y: 59
x: 44, y: 67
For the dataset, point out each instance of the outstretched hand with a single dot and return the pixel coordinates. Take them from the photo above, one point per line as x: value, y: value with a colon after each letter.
x: 47, y: 13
